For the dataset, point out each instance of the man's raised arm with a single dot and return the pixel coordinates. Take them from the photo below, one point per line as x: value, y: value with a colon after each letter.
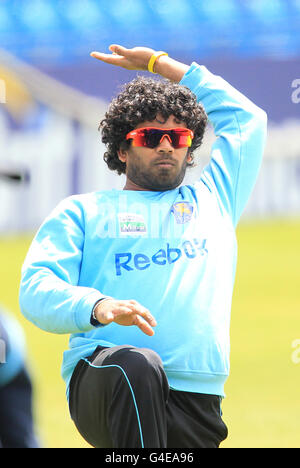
x: 239, y: 125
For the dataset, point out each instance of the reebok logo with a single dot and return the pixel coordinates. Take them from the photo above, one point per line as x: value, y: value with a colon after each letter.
x: 189, y: 249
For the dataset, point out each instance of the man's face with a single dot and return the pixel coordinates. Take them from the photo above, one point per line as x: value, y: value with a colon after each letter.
x: 155, y: 169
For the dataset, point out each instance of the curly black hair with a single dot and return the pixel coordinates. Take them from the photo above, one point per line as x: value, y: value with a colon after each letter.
x: 141, y: 100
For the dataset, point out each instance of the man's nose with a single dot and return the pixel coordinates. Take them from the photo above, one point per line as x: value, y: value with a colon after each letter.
x: 165, y: 145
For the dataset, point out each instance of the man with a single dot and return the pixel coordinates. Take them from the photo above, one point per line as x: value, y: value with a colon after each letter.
x: 143, y: 277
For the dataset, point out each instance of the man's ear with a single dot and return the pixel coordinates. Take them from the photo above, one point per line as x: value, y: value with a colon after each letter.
x: 122, y: 155
x: 190, y: 157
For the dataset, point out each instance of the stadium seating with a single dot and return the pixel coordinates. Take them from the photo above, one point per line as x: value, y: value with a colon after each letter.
x: 57, y: 31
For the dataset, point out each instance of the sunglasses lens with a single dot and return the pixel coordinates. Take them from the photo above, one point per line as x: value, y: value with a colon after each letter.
x: 181, y: 139
x: 151, y: 137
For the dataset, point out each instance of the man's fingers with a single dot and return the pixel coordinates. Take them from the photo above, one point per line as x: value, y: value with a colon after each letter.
x: 143, y: 312
x: 136, y: 58
x: 143, y: 325
x: 108, y: 314
x: 132, y: 307
x: 107, y: 58
x: 126, y: 312
x: 118, y: 53
x: 117, y: 49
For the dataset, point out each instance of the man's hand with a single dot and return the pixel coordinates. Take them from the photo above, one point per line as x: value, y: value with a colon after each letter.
x: 138, y: 58
x: 126, y: 313
x: 131, y: 59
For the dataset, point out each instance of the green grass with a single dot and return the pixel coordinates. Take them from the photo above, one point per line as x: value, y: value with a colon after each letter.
x: 262, y: 406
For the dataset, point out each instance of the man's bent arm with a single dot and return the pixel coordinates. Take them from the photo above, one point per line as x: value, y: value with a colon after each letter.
x: 51, y: 296
x: 49, y: 293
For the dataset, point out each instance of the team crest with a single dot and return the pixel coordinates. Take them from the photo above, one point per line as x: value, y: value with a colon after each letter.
x: 183, y: 212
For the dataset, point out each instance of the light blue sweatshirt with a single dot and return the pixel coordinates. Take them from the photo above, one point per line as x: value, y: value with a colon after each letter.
x: 174, y: 252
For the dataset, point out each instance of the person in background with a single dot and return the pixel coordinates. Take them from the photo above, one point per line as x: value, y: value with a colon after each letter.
x: 17, y: 428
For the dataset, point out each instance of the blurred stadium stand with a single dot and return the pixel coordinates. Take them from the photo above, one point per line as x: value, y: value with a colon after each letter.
x: 56, y: 93
x: 234, y: 37
x: 66, y: 30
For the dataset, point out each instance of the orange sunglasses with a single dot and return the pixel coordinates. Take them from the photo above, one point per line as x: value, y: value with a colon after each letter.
x: 151, y: 137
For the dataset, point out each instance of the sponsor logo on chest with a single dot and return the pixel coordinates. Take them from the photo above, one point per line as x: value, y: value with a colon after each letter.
x: 188, y: 250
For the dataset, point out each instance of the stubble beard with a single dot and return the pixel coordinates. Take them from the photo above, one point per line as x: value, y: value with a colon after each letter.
x: 157, y: 179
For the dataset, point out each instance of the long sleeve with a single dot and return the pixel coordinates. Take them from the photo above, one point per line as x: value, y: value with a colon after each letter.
x: 49, y: 293
x: 240, y: 128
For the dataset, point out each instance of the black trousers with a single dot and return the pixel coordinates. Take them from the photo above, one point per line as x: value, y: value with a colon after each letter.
x: 16, y: 415
x: 120, y: 398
